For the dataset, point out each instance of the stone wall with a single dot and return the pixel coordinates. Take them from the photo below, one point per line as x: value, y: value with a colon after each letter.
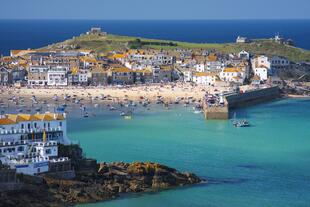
x: 241, y: 100
x: 218, y: 112
x: 252, y: 97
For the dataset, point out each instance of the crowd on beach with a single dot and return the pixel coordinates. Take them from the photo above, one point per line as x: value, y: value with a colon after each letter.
x: 36, y: 98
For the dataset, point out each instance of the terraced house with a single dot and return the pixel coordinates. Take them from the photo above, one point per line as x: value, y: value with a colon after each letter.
x: 5, y: 76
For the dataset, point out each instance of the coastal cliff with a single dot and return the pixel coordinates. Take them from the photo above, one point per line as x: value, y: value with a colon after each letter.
x: 95, y: 182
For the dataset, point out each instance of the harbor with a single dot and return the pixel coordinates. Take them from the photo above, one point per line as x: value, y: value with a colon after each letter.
x: 218, y: 107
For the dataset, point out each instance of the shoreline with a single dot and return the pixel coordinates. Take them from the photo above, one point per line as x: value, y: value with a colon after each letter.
x: 96, y: 182
x: 293, y: 96
x: 166, y: 92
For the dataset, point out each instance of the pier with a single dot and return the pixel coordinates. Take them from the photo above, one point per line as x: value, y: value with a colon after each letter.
x: 219, y: 108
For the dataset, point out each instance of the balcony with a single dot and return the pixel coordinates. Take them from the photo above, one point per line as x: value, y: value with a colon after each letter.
x: 29, y: 131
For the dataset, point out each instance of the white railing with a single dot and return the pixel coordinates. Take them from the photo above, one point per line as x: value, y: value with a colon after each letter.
x: 21, y: 131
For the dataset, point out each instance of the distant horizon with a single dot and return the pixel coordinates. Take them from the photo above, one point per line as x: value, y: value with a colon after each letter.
x: 274, y: 19
x: 155, y: 9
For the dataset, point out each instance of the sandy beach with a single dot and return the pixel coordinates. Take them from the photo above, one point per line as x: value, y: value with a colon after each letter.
x: 107, y: 94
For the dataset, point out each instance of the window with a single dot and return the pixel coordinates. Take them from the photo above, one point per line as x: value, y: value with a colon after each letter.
x: 48, y: 151
x: 20, y: 149
x: 60, y: 123
x: 48, y: 125
x: 29, y: 126
x: 22, y: 126
x: 35, y: 125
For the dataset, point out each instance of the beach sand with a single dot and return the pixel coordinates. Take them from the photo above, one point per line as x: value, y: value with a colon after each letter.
x: 168, y: 92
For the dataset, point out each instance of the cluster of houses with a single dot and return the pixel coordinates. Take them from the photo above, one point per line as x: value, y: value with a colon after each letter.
x: 241, y: 68
x: 85, y: 67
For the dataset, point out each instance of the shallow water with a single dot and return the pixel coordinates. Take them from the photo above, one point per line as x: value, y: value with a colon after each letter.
x: 267, y: 164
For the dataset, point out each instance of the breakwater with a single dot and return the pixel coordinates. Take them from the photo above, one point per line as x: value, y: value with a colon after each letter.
x: 237, y: 100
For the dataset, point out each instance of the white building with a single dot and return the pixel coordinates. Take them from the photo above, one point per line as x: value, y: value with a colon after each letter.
x: 83, y: 77
x: 57, y: 76
x: 29, y: 142
x: 188, y: 75
x: 200, y: 67
x: 242, y: 40
x: 244, y: 55
x: 261, y: 67
x: 235, y: 75
x: 261, y: 72
x: 31, y: 126
x: 204, y: 78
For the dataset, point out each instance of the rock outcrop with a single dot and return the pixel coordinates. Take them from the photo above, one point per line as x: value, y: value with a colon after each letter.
x: 106, y: 182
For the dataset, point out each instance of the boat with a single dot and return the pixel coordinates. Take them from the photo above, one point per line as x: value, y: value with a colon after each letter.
x: 240, y: 123
x: 127, y: 115
x: 85, y: 115
x: 197, y: 109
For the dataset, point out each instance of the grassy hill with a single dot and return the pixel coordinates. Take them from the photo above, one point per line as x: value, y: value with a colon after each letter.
x: 116, y: 42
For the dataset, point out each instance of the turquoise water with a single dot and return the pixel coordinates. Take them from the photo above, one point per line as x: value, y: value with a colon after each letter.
x: 264, y: 165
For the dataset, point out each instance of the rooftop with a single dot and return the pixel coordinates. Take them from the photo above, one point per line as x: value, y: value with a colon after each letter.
x: 8, y: 119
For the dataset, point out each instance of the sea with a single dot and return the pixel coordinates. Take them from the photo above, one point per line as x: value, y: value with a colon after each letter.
x: 24, y: 34
x: 267, y: 164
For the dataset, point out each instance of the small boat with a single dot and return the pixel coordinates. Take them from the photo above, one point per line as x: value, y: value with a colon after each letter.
x: 127, y: 115
x: 112, y: 108
x: 240, y: 123
x: 85, y: 115
x: 197, y: 109
x: 122, y: 113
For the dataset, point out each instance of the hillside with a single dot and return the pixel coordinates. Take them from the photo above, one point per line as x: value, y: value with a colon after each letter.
x: 116, y: 42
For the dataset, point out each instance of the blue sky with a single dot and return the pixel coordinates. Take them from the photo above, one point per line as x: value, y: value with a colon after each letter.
x: 154, y: 9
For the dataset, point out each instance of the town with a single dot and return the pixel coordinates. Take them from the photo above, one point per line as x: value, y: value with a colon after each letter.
x: 79, y: 67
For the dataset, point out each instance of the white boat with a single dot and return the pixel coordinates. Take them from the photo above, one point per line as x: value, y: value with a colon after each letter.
x: 240, y: 123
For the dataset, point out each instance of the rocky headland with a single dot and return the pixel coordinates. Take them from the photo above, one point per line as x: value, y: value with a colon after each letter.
x: 95, y: 182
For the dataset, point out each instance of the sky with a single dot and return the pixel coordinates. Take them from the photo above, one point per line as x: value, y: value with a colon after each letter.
x: 154, y: 9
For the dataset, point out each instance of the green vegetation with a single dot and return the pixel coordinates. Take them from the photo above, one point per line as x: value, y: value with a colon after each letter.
x: 119, y: 43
